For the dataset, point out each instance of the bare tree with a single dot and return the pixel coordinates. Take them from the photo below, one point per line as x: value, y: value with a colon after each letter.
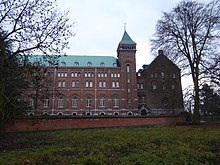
x: 35, y: 25
x: 27, y: 27
x: 190, y: 32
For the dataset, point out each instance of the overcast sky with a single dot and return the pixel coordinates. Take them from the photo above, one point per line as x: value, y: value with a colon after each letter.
x: 100, y: 25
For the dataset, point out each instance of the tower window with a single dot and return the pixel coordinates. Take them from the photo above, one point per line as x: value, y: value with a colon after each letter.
x: 128, y: 68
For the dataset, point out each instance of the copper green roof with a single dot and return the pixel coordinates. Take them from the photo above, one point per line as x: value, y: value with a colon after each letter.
x: 82, y: 61
x: 126, y: 39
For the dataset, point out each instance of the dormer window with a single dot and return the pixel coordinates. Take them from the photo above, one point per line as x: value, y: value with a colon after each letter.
x: 89, y: 64
x: 102, y: 64
x: 76, y: 63
x: 63, y: 63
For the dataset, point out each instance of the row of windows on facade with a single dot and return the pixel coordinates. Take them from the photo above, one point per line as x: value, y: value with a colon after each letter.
x: 75, y: 102
x: 88, y: 84
x: 164, y: 87
x: 161, y: 75
x: 77, y: 74
x: 88, y: 63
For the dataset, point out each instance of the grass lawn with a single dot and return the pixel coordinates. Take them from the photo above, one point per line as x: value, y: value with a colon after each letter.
x: 145, y: 145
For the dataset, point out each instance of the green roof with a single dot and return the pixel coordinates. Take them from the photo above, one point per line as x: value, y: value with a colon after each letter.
x: 77, y: 60
x: 126, y: 39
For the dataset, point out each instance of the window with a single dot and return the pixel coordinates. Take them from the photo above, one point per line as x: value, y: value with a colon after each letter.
x: 129, y: 90
x: 64, y: 84
x: 73, y: 84
x: 58, y: 74
x: 154, y: 86
x: 128, y: 68
x: 102, y: 102
x: 100, y: 84
x: 102, y: 64
x: 31, y: 103
x: 87, y: 84
x: 129, y: 81
x: 104, y: 84
x: 117, y: 84
x: 77, y: 84
x: 76, y: 63
x: 88, y: 102
x: 46, y: 103
x: 74, y: 101
x: 89, y: 64
x: 164, y: 87
x: 173, y: 76
x: 60, y: 102
x: 90, y: 84
x: 142, y: 99
x: 142, y: 86
x: 115, y: 102
x: 113, y: 84
x: 162, y: 74
x: 172, y: 86
x: 63, y: 63
x: 60, y: 84
x: 65, y: 74
x: 62, y: 74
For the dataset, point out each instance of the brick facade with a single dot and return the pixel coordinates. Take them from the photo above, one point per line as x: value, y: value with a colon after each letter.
x: 114, y: 90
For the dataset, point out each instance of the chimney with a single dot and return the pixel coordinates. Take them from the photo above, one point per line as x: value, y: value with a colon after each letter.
x: 160, y: 52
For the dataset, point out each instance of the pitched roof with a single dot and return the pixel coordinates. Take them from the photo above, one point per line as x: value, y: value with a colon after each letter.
x: 77, y: 60
x: 126, y: 39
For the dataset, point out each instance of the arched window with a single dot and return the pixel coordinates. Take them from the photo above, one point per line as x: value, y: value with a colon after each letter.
x: 128, y: 68
x: 104, y: 84
x: 102, y: 64
x: 73, y: 84
x: 100, y: 84
x: 77, y: 84
x: 76, y: 63
x: 89, y: 63
x: 63, y: 63
x: 154, y: 86
x: 162, y: 75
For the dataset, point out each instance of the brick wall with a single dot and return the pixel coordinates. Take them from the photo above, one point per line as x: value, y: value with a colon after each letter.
x: 88, y: 122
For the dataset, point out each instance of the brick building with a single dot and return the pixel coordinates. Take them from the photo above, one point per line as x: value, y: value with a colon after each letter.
x: 105, y: 85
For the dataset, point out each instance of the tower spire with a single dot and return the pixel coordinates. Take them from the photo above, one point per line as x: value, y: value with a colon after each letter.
x: 124, y: 26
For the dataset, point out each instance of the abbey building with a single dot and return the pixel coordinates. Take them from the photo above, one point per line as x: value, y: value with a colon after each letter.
x: 105, y: 85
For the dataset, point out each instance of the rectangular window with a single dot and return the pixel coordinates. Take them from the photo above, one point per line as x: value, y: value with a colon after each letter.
x: 65, y: 75
x: 31, y: 103
x: 115, y: 102
x: 46, y: 103
x: 88, y: 102
x: 102, y: 102
x: 60, y: 103
x: 74, y: 102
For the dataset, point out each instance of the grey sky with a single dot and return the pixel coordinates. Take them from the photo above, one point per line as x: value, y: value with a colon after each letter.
x: 100, y: 25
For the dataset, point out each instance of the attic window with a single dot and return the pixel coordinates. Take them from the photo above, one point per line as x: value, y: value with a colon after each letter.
x: 89, y: 64
x: 102, y: 64
x: 63, y: 63
x: 76, y: 63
